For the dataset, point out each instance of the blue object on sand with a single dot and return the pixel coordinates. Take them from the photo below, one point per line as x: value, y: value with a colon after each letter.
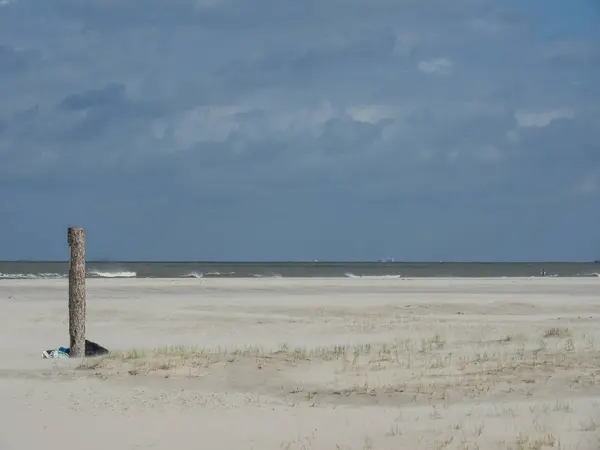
x: 55, y: 354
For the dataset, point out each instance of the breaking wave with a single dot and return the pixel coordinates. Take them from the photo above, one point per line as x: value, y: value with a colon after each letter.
x: 116, y: 274
x: 373, y: 277
x: 31, y: 276
x: 207, y: 274
x: 193, y: 275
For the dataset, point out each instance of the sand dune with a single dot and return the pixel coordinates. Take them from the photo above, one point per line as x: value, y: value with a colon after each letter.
x: 305, y: 364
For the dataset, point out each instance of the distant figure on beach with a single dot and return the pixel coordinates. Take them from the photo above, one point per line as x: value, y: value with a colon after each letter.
x: 543, y: 273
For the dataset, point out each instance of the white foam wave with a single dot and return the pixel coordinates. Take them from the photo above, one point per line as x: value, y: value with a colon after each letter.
x: 273, y: 275
x: 30, y: 276
x: 194, y: 275
x: 219, y: 274
x: 117, y: 274
x: 373, y: 277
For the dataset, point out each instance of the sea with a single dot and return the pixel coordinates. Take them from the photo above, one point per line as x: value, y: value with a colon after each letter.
x: 383, y: 270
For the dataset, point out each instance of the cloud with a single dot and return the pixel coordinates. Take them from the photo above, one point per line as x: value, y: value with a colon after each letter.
x: 14, y: 61
x: 568, y: 52
x: 541, y: 119
x: 588, y: 184
x: 206, y: 124
x: 320, y: 129
x: 372, y: 113
x: 497, y: 26
x: 112, y: 95
x: 441, y: 66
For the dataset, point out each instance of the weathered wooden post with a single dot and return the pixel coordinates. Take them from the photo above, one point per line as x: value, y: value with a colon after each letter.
x: 76, y: 240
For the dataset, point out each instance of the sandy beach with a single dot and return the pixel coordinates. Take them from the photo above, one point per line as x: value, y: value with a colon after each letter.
x: 305, y: 364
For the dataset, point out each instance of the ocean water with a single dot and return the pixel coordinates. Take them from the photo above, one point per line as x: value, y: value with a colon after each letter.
x: 103, y: 269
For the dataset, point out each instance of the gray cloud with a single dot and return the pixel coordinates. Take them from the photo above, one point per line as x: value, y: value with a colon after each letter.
x: 325, y: 128
x: 113, y: 96
x: 13, y: 61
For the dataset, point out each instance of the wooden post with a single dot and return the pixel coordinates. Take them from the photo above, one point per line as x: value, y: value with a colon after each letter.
x: 76, y: 240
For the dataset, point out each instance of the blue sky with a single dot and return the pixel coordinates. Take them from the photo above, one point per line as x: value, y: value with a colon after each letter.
x: 329, y: 129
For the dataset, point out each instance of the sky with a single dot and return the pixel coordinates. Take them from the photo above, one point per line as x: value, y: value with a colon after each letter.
x: 282, y: 130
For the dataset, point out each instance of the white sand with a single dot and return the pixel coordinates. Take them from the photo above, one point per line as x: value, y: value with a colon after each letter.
x: 453, y: 363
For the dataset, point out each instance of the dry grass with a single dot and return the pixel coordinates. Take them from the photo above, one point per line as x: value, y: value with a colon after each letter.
x: 524, y: 442
x: 433, y: 370
x: 557, y: 332
x: 431, y: 357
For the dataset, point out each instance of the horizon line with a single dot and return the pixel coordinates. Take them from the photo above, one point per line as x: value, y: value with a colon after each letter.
x: 302, y: 261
